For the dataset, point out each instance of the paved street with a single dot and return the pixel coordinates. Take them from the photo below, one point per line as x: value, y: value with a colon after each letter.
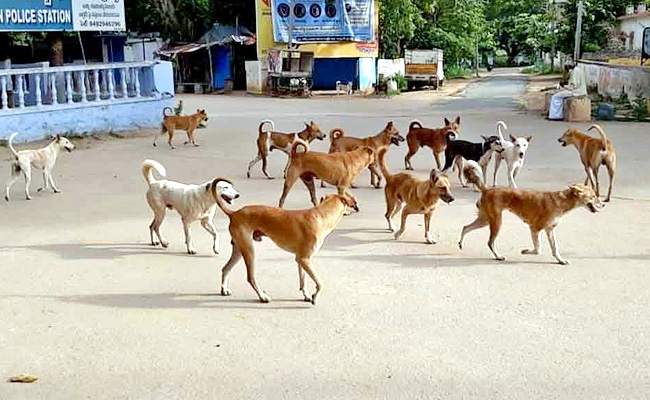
x: 95, y: 312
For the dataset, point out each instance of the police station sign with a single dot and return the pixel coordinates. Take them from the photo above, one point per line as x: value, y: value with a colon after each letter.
x: 61, y: 15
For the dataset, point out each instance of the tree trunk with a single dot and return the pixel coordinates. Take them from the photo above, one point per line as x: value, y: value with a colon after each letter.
x: 55, y: 40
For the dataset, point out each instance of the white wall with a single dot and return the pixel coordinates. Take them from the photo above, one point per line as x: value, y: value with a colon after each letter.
x: 636, y: 25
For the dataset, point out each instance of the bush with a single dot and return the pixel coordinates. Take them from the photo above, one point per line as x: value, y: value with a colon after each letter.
x: 544, y: 69
x: 640, y: 110
x: 453, y: 71
x: 402, y: 83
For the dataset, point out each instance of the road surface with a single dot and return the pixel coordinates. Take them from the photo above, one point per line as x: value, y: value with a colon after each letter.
x: 95, y: 312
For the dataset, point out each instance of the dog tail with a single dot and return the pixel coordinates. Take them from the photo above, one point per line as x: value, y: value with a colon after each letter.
x: 382, y: 164
x: 500, y: 127
x: 298, y: 142
x: 472, y: 172
x: 261, y: 130
x: 148, y: 166
x: 602, y: 136
x: 218, y: 199
x: 451, y: 135
x: 415, y: 125
x: 11, y: 146
x: 336, y: 133
x: 168, y: 112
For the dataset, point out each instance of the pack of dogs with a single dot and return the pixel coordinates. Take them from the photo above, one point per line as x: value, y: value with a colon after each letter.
x: 303, y: 232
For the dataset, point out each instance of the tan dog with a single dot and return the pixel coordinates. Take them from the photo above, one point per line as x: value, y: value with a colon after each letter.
x: 390, y: 135
x: 542, y: 211
x: 187, y: 123
x: 267, y: 141
x: 436, y: 139
x: 413, y: 196
x: 300, y: 232
x: 44, y: 159
x: 338, y: 169
x: 593, y: 153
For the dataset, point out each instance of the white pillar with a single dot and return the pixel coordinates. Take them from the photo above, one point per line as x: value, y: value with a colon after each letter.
x: 3, y: 85
x: 68, y: 86
x: 39, y: 99
x: 21, y: 92
x: 55, y: 94
x: 82, y: 86
x: 98, y: 93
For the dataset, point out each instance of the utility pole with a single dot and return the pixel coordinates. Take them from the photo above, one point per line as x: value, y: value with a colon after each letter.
x: 291, y: 23
x: 477, y: 56
x: 576, y: 51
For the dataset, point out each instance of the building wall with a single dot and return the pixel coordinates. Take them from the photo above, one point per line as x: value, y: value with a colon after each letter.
x: 635, y: 24
x: 612, y: 80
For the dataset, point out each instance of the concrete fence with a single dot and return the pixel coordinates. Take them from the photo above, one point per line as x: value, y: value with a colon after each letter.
x: 612, y: 80
x: 83, y: 99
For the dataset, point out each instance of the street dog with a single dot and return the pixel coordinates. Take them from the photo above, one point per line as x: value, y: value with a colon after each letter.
x: 514, y: 152
x: 436, y: 139
x: 187, y: 123
x: 193, y: 202
x: 469, y: 167
x: 593, y: 153
x: 300, y: 232
x: 457, y: 150
x: 542, y: 211
x: 268, y: 141
x: 389, y: 135
x: 413, y: 196
x: 338, y: 169
x: 44, y: 159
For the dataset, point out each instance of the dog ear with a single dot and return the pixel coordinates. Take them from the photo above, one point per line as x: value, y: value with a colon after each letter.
x: 447, y: 123
x: 434, y: 176
x: 389, y: 125
x: 485, y: 138
x: 529, y: 138
x: 458, y: 119
x: 513, y: 138
x: 576, y: 189
x: 58, y: 138
x: 321, y: 199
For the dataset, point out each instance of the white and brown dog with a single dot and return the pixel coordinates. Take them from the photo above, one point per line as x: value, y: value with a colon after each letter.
x: 514, y: 153
x: 193, y: 202
x: 44, y: 159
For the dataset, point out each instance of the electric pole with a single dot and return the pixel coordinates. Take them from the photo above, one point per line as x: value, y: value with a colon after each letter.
x: 576, y: 51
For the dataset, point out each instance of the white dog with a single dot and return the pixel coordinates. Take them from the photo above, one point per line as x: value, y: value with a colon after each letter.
x: 193, y: 202
x: 514, y: 152
x: 44, y: 159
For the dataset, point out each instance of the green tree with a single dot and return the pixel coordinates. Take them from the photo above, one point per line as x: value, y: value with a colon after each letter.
x: 178, y: 20
x: 397, y: 23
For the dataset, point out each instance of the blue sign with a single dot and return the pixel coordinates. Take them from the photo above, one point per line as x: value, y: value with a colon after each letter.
x: 35, y: 15
x: 318, y: 21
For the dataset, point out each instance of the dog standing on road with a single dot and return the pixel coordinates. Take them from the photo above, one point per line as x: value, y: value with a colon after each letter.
x: 514, y: 152
x: 457, y: 150
x: 338, y: 169
x: 542, y: 211
x: 187, y: 123
x: 413, y: 196
x: 436, y: 139
x: 193, y: 202
x: 44, y: 159
x: 300, y: 232
x: 390, y: 135
x: 267, y: 141
x: 593, y: 153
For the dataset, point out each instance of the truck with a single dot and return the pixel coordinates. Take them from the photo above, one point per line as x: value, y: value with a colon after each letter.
x: 424, y: 68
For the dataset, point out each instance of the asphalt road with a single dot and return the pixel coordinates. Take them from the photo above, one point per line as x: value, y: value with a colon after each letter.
x: 93, y: 311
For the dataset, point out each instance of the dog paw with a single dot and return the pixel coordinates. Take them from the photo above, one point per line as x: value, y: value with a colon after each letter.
x: 501, y: 258
x: 40, y: 189
x: 264, y: 298
x: 398, y: 235
x: 248, y: 175
x: 215, y: 251
x: 191, y: 252
x: 563, y: 262
x: 164, y: 244
x: 155, y: 243
x: 28, y: 197
x: 57, y: 191
x: 225, y: 291
x: 529, y: 252
x: 7, y: 199
x: 460, y: 245
x: 430, y: 240
x: 314, y: 298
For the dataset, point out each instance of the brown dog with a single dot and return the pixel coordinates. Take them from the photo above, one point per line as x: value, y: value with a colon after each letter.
x: 300, y: 232
x: 542, y: 211
x: 267, y: 141
x: 338, y: 169
x: 436, y: 139
x: 187, y: 123
x: 593, y: 153
x: 390, y: 135
x: 413, y: 196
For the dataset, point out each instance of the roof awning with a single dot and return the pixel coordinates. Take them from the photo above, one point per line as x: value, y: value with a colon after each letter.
x: 192, y: 47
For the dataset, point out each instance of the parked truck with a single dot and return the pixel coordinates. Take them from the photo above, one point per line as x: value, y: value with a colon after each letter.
x: 424, y: 68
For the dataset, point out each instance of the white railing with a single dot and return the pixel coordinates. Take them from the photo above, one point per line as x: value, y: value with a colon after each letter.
x: 35, y: 89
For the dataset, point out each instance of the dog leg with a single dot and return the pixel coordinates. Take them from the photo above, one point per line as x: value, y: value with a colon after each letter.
x: 495, y: 227
x: 264, y: 165
x: 249, y: 258
x: 225, y: 271
x: 595, y: 173
x: 188, y: 237
x: 405, y: 213
x: 288, y: 183
x: 534, y: 234
x: 252, y: 164
x: 301, y: 278
x: 159, y: 217
x: 52, y: 184
x: 407, y: 159
x: 171, y: 136
x: 311, y: 186
x: 459, y: 164
x: 375, y: 176
x: 306, y: 264
x: 511, y: 178
x: 479, y: 223
x: 391, y: 208
x: 611, y: 169
x: 46, y: 182
x: 27, y: 173
x: 436, y: 156
x: 497, y: 165
x: 14, y: 177
x: 590, y: 178
x: 427, y: 229
x: 552, y: 240
x: 207, y: 224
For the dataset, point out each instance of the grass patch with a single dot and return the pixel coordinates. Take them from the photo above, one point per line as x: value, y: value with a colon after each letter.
x: 453, y: 71
x: 542, y: 70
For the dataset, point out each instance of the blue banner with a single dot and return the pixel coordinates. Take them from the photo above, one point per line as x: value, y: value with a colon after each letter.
x: 35, y: 15
x: 322, y: 21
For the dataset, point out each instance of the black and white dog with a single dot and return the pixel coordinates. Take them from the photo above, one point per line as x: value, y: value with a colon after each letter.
x: 457, y: 150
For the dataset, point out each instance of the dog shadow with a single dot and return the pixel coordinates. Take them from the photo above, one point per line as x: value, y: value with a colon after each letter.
x: 103, y: 251
x: 169, y: 301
